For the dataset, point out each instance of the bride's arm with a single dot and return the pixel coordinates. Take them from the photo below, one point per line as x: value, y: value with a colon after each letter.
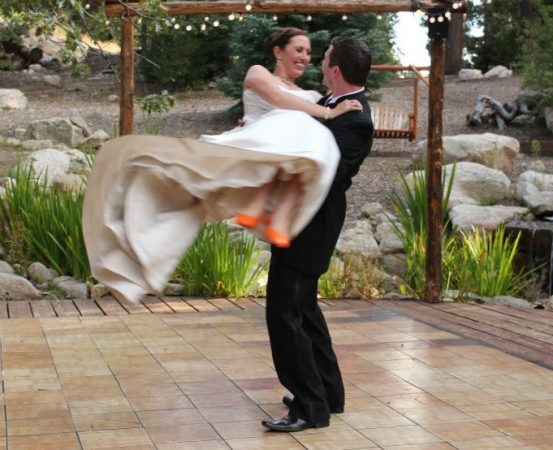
x: 264, y: 84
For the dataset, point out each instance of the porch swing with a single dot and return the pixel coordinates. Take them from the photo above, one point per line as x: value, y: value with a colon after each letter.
x: 394, y: 123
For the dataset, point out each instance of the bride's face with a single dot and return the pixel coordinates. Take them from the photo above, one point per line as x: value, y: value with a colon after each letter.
x: 295, y: 57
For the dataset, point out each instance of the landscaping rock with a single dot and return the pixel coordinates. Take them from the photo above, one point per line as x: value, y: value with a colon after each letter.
x: 358, y: 239
x: 491, y: 150
x: 39, y: 273
x: 469, y: 74
x: 12, y: 99
x: 57, y: 129
x: 98, y: 291
x: 47, y: 164
x: 5, y: 267
x: 173, y: 289
x: 484, y: 217
x: 15, y: 287
x: 71, y: 287
x: 498, y: 72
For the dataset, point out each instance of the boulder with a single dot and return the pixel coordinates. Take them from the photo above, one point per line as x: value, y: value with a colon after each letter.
x: 548, y: 116
x: 489, y: 149
x: 71, y: 287
x: 358, y: 239
x: 15, y: 287
x: 47, y: 164
x: 533, y: 182
x: 388, y: 240
x: 469, y: 74
x: 57, y: 129
x: 12, y: 99
x: 498, y: 72
x: 484, y: 217
x: 541, y: 203
x: 39, y: 273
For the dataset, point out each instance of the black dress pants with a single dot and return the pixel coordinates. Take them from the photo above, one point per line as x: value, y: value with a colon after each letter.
x: 300, y: 343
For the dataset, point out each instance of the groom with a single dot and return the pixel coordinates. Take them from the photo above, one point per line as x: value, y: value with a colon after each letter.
x: 300, y: 342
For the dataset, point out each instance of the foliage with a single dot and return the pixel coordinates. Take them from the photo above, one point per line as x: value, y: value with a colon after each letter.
x: 154, y: 106
x: 186, y: 55
x: 505, y: 25
x: 537, y: 55
x: 220, y: 264
x: 485, y: 264
x: 356, y: 276
x: 410, y: 205
x: 247, y: 44
x: 38, y: 223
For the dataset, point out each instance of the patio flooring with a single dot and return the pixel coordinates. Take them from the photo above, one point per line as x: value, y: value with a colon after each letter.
x: 180, y: 374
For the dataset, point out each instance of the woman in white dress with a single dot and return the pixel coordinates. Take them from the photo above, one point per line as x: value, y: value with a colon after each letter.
x: 147, y: 196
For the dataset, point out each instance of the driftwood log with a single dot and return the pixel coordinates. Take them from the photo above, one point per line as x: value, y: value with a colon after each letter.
x: 18, y: 57
x: 490, y: 110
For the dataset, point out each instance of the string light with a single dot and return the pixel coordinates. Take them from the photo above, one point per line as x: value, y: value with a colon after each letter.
x: 275, y: 18
x: 309, y: 18
x: 203, y: 27
x: 231, y: 17
x: 176, y: 26
x: 344, y: 17
x: 188, y: 28
x: 216, y: 23
x: 433, y: 15
x: 87, y: 6
x: 248, y: 7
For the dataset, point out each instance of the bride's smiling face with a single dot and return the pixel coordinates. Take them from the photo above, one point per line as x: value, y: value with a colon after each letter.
x: 294, y: 57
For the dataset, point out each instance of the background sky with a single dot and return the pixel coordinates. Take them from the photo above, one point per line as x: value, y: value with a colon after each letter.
x: 411, y: 38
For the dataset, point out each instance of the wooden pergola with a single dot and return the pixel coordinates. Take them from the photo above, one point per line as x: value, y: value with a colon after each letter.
x: 126, y: 10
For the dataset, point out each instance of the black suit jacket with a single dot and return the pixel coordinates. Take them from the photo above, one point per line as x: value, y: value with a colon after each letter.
x: 312, y: 249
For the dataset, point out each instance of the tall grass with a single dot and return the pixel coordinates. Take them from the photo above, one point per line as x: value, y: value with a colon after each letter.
x: 42, y: 224
x: 220, y: 264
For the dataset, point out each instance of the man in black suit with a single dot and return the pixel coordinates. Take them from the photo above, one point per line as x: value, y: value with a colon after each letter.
x: 300, y: 342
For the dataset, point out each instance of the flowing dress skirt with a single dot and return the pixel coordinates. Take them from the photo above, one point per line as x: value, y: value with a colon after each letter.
x: 147, y: 195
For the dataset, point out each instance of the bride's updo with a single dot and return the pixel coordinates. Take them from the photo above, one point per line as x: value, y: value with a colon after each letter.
x: 282, y: 37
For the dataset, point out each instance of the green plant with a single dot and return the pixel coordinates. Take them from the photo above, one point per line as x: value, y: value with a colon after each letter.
x: 42, y: 224
x: 535, y: 148
x: 332, y: 283
x: 154, y: 106
x: 410, y: 205
x: 486, y: 264
x: 220, y: 264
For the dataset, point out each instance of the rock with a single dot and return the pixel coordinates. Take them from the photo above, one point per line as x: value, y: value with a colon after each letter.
x: 5, y: 267
x: 113, y: 98
x: 358, y: 239
x: 388, y: 240
x: 474, y: 184
x: 484, y: 217
x: 33, y: 144
x: 57, y: 129
x: 537, y: 166
x: 548, y: 116
x: 70, y: 182
x: 532, y: 182
x: 78, y: 120
x: 39, y: 273
x: 12, y: 99
x: 47, y: 164
x: 469, y: 74
x: 71, y: 287
x: 15, y: 287
x: 498, y: 72
x: 541, y: 203
x: 52, y: 80
x: 96, y: 139
x: 394, y: 264
x: 511, y: 302
x: 371, y: 209
x: 173, y: 289
x: 35, y: 67
x: 19, y: 134
x: 489, y: 149
x: 98, y: 291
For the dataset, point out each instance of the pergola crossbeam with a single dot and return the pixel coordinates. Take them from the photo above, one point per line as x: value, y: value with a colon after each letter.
x: 116, y: 8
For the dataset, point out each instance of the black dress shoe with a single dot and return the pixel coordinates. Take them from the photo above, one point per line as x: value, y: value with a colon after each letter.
x: 288, y: 399
x: 289, y: 424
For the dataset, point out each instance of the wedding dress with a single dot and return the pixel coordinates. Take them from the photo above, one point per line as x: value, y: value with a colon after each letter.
x: 148, y: 195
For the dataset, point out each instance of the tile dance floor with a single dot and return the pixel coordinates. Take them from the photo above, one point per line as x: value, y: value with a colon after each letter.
x: 203, y: 379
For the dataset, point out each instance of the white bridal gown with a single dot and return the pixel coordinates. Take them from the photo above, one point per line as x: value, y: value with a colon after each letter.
x: 147, y: 195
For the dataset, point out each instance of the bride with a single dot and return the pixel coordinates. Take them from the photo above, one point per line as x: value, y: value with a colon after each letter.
x: 147, y: 196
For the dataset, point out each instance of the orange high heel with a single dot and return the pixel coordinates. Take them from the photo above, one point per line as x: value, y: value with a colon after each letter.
x: 277, y: 238
x: 247, y: 221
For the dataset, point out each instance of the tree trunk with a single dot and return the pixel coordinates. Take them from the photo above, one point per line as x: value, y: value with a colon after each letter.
x: 455, y: 45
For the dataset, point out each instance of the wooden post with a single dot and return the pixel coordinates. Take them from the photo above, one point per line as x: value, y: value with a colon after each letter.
x: 126, y: 103
x: 432, y: 289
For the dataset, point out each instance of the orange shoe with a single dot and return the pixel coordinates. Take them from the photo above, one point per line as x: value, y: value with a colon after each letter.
x: 247, y: 221
x: 277, y: 238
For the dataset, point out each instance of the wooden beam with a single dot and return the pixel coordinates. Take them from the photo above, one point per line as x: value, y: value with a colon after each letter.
x: 126, y: 102
x: 432, y: 290
x: 280, y: 6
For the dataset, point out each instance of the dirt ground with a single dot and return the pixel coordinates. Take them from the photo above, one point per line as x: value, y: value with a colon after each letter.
x: 206, y: 112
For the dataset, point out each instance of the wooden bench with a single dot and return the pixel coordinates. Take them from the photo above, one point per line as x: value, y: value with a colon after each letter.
x: 394, y: 123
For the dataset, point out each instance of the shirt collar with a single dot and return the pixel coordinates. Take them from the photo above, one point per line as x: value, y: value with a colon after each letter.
x: 334, y: 99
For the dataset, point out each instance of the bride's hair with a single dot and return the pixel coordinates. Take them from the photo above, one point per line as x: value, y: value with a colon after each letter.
x: 282, y: 37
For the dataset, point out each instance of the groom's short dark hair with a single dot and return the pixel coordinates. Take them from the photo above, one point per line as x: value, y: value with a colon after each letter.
x: 353, y: 58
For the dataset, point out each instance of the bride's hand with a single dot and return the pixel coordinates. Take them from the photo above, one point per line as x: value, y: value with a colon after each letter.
x: 344, y: 107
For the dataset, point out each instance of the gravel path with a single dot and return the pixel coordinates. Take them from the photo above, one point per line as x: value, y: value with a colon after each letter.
x: 204, y: 112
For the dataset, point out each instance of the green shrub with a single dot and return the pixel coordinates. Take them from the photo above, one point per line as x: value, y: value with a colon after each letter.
x: 43, y: 224
x: 220, y: 264
x: 154, y: 106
